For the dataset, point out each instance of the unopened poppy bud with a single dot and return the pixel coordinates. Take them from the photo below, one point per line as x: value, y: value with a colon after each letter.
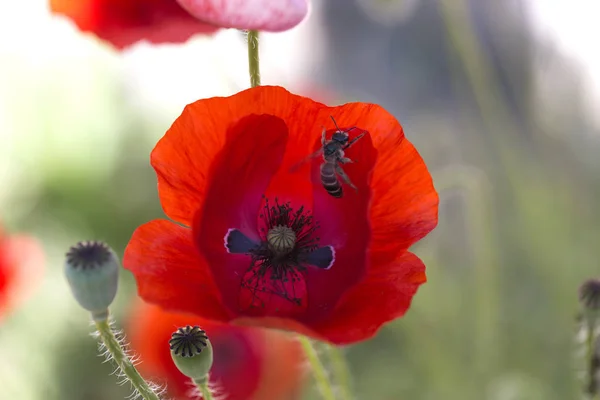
x: 589, y: 295
x: 192, y: 352
x: 92, y: 270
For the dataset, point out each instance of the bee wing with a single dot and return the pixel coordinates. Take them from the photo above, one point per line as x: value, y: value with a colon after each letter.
x: 297, y: 166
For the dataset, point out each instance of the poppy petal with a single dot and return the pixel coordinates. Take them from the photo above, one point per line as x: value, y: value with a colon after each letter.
x: 404, y: 202
x: 21, y: 270
x: 277, y: 323
x: 127, y: 22
x: 383, y: 296
x: 240, y: 176
x: 344, y: 225
x: 170, y: 271
x: 184, y: 155
x: 264, y: 15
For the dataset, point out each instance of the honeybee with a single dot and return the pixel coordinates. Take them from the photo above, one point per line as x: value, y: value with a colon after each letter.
x: 333, y: 158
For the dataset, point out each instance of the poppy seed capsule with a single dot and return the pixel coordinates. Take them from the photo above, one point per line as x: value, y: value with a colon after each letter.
x: 92, y: 270
x: 192, y: 352
x: 282, y: 239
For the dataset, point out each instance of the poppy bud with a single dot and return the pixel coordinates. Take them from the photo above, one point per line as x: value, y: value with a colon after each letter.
x: 92, y: 270
x: 192, y: 353
x: 589, y: 295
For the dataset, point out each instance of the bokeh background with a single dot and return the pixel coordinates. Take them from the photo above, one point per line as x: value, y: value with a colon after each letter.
x: 499, y: 96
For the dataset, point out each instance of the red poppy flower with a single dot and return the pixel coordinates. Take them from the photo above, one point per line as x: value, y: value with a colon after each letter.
x: 21, y: 266
x: 262, y: 241
x: 249, y: 363
x: 125, y: 22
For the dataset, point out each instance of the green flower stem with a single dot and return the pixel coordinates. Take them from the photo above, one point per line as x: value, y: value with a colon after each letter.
x: 317, y: 368
x: 203, y: 386
x: 123, y: 362
x: 341, y: 372
x: 253, y: 59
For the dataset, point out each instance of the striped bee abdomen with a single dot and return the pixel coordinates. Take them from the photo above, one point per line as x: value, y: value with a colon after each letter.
x: 329, y: 179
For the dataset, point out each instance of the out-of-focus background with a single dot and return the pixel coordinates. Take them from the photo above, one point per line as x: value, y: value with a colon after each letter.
x: 499, y: 96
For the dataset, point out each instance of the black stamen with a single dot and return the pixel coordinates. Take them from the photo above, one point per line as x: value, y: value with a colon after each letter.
x: 275, y: 269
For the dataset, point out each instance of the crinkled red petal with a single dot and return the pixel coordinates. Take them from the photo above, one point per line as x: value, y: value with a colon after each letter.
x: 240, y: 175
x: 383, y: 296
x: 184, y: 156
x: 344, y: 225
x: 170, y: 271
x: 404, y: 206
x: 404, y: 202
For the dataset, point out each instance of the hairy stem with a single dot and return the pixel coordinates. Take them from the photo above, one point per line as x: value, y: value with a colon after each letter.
x: 123, y: 362
x: 253, y: 59
x: 318, y: 369
x: 204, y: 389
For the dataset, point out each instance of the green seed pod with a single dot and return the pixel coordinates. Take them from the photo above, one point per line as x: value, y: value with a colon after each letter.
x: 192, y: 352
x: 281, y: 239
x: 92, y: 270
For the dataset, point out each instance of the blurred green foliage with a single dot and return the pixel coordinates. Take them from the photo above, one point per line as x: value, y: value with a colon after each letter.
x: 518, y: 233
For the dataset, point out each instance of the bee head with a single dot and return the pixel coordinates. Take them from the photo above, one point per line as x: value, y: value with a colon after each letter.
x: 340, y: 137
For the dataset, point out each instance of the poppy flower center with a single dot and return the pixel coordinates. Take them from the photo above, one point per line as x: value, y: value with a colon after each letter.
x: 281, y: 239
x: 286, y: 248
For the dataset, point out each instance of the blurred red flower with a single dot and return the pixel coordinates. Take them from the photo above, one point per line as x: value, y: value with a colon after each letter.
x: 126, y: 22
x: 249, y: 363
x: 21, y: 269
x: 225, y: 172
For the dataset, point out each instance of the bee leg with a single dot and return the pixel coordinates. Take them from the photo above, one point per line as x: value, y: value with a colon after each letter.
x: 340, y: 171
x: 346, y: 160
x: 354, y: 140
